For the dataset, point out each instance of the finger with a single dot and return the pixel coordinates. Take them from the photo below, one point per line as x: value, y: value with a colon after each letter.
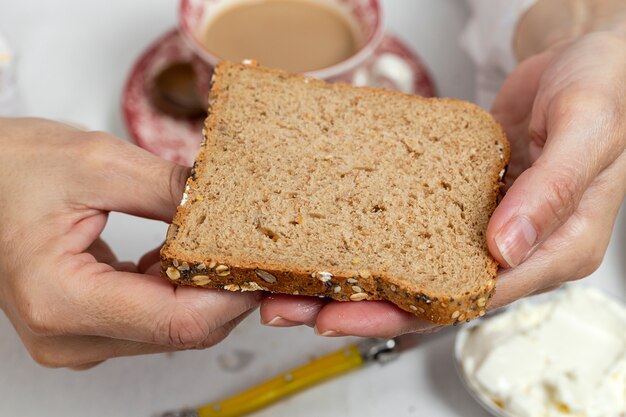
x: 576, y: 249
x: 378, y: 319
x: 123, y: 177
x: 287, y: 310
x: 73, y: 125
x: 368, y: 319
x: 278, y: 321
x: 513, y: 106
x: 514, y: 102
x: 83, y: 237
x: 546, y: 195
x: 102, y: 252
x: 547, y: 289
x: 79, y: 352
x: 85, y: 366
x: 99, y: 301
x: 84, y: 352
x: 125, y: 266
x: 149, y: 259
x: 224, y: 330
x: 155, y: 269
x: 108, y: 174
x: 149, y: 309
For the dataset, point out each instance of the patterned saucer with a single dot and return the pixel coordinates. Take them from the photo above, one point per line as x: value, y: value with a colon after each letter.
x: 393, y: 65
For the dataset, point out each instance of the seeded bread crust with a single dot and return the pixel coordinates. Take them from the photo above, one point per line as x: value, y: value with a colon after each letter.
x: 326, y: 281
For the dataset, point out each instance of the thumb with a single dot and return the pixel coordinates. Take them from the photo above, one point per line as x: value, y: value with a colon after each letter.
x: 544, y: 196
x: 539, y: 201
x: 123, y: 177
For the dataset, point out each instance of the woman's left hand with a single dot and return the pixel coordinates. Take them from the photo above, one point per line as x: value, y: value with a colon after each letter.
x: 564, y: 111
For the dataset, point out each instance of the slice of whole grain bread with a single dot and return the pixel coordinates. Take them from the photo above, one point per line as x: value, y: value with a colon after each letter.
x: 304, y: 187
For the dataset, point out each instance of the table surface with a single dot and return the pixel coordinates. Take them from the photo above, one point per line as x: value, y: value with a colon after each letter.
x: 74, y: 56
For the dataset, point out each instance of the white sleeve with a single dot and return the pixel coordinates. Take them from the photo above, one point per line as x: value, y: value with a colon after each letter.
x: 488, y: 39
x: 9, y: 99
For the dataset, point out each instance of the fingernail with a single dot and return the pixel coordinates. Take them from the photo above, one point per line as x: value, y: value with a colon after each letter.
x: 326, y: 333
x: 280, y: 322
x: 515, y: 240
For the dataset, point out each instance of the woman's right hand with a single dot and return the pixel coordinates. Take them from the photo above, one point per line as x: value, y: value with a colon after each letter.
x: 72, y: 303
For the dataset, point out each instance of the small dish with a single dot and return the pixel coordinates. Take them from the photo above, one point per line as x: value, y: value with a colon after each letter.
x: 459, y: 343
x: 482, y: 399
x: 558, y: 353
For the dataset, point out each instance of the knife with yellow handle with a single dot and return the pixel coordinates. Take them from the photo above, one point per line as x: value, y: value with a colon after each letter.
x: 318, y: 370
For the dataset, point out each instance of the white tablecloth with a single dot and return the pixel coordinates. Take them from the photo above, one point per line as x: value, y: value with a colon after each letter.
x: 74, y: 57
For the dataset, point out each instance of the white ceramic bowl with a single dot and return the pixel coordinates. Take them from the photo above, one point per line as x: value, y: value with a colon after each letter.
x: 461, y: 338
x: 478, y: 395
x: 598, y: 312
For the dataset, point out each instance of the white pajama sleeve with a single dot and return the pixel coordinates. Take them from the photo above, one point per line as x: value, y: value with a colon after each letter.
x: 488, y: 39
x: 9, y: 100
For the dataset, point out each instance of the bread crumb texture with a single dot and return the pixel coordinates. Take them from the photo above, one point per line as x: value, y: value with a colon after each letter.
x: 350, y: 193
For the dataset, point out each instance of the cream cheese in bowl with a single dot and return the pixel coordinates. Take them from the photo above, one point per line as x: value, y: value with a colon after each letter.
x: 564, y: 356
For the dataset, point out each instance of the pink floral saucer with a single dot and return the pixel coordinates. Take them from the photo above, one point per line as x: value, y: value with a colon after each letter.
x: 393, y: 65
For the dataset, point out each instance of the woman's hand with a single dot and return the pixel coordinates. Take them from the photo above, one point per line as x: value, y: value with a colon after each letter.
x: 72, y: 303
x: 564, y: 113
